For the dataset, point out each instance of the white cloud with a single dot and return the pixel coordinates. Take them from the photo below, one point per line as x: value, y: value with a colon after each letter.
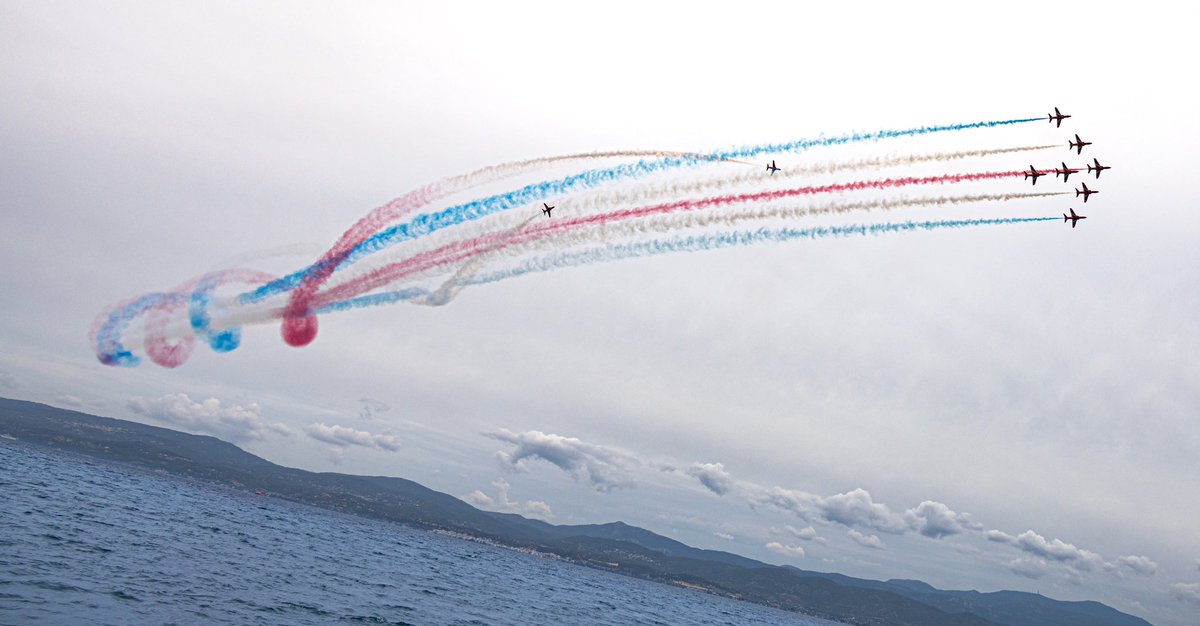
x: 1055, y: 550
x: 1028, y: 567
x: 796, y: 552
x: 853, y: 508
x: 725, y: 536
x: 69, y: 400
x: 808, y: 533
x: 713, y: 476
x: 479, y: 499
x: 234, y: 422
x: 605, y: 468
x: 345, y: 436
x: 999, y: 536
x: 1188, y: 593
x: 530, y: 508
x: 1143, y: 565
x: 936, y: 520
x: 867, y: 541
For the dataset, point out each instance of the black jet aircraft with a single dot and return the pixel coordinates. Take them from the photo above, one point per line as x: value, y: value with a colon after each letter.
x: 547, y: 209
x: 1057, y: 116
x: 1099, y: 168
x: 1065, y: 172
x: 1033, y: 173
x: 771, y: 168
x: 1078, y: 144
x: 1086, y: 192
x: 1074, y: 218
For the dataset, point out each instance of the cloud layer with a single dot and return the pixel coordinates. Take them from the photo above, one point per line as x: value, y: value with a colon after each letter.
x: 343, y: 436
x: 602, y: 467
x: 234, y: 422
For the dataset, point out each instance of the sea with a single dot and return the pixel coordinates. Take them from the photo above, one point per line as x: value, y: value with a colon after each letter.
x: 84, y: 541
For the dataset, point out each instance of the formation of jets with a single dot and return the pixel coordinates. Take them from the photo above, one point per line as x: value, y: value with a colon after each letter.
x: 1033, y: 174
x: 1077, y: 145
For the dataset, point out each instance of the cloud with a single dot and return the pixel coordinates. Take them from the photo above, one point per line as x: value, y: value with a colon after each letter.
x: 342, y: 436
x: 999, y: 536
x: 1188, y: 593
x: 1055, y: 550
x: 796, y: 552
x: 371, y: 407
x: 531, y: 508
x: 936, y: 520
x: 1033, y: 568
x: 725, y: 536
x: 605, y: 468
x: 807, y: 533
x: 1138, y: 564
x: 69, y: 400
x: 233, y: 422
x: 713, y: 476
x: 853, y: 508
x: 866, y: 541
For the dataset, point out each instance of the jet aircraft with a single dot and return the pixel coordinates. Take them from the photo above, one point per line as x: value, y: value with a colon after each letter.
x: 1033, y: 173
x: 1099, y: 168
x: 1065, y: 172
x: 1074, y: 218
x: 771, y: 168
x: 1078, y: 144
x: 547, y: 209
x: 1057, y: 116
x: 1086, y: 192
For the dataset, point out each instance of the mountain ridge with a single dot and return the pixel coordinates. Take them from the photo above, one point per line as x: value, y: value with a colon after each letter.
x: 615, y: 545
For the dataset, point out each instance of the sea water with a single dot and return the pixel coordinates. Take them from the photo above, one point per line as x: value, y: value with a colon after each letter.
x: 89, y: 542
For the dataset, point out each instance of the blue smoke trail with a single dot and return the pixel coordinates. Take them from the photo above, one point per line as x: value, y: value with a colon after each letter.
x: 109, y: 348
x: 691, y: 243
x: 425, y: 224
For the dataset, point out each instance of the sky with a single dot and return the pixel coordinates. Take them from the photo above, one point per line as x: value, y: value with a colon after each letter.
x: 1009, y: 407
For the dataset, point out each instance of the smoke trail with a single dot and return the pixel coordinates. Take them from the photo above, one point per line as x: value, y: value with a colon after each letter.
x: 575, y: 235
x: 426, y: 224
x: 715, y: 241
x: 389, y: 273
x: 429, y: 223
x: 691, y: 243
x: 110, y: 325
x: 300, y: 328
x: 609, y: 199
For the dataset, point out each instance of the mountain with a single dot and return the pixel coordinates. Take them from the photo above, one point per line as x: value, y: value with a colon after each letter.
x: 615, y: 546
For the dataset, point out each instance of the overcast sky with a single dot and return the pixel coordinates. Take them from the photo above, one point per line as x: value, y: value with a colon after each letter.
x: 1013, y: 408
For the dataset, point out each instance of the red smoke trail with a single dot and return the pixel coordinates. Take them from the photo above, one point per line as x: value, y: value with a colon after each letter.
x: 459, y: 251
x: 300, y: 328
